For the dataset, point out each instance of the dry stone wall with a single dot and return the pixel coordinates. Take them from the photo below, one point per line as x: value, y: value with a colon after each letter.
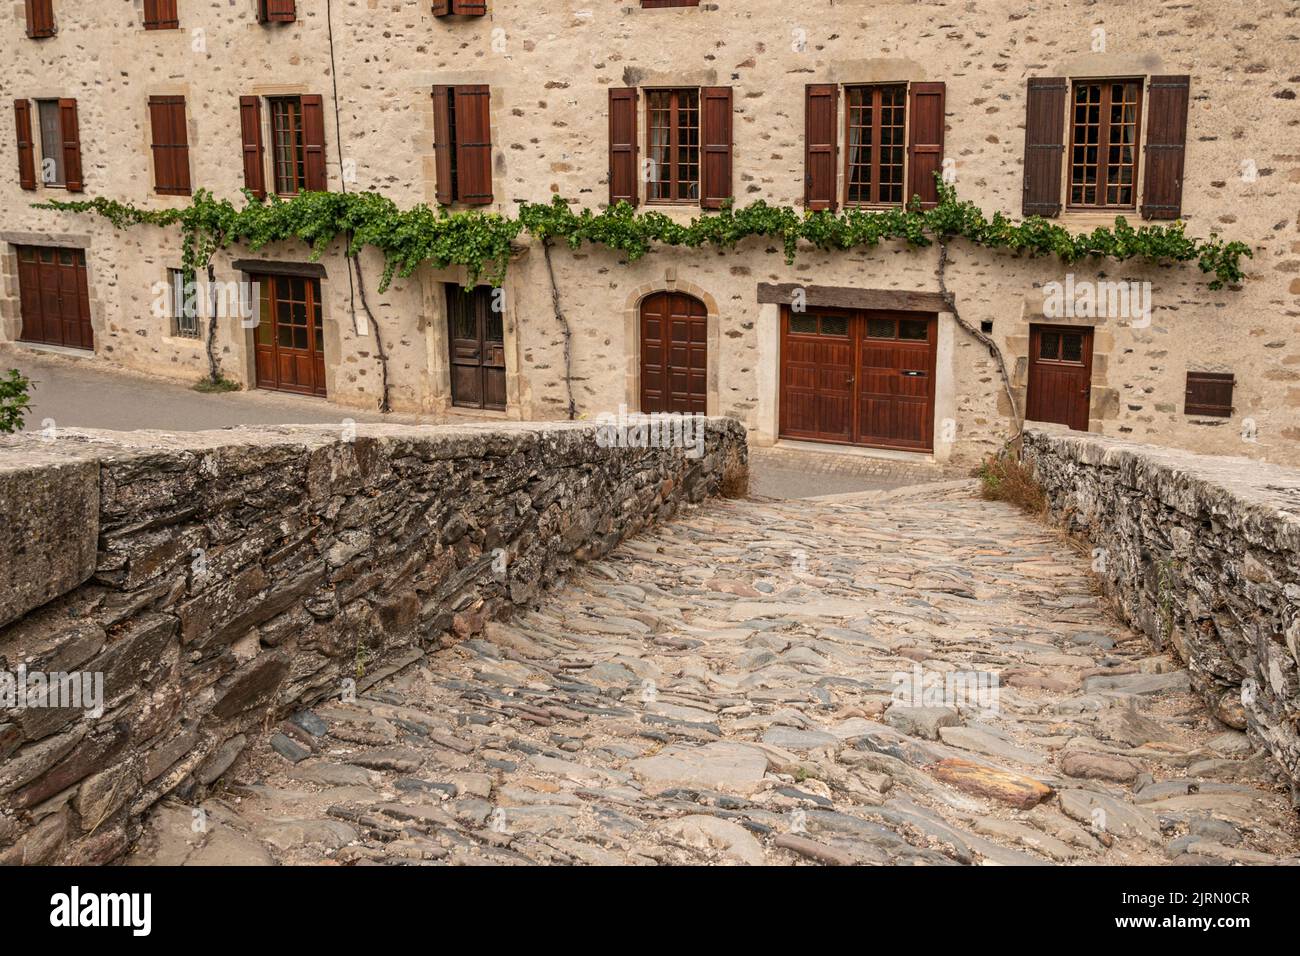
x: 237, y: 576
x: 1200, y: 553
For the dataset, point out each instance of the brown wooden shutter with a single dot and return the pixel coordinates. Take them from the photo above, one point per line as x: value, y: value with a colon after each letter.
x: 171, y: 156
x: 463, y: 8
x: 715, y: 146
x: 623, y: 176
x: 442, y: 144
x: 1162, y: 192
x: 313, y: 141
x: 250, y: 126
x: 160, y: 15
x: 72, y: 179
x: 26, y: 146
x: 1044, y: 145
x: 473, y: 145
x: 40, y: 18
x: 1209, y: 393
x: 277, y: 11
x: 821, y: 122
x: 925, y: 142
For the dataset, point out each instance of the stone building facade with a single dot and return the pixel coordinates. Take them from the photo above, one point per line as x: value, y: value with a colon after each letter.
x: 355, y: 83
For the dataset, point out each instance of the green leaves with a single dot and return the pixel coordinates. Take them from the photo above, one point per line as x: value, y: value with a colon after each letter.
x: 14, y: 400
x: 481, y: 241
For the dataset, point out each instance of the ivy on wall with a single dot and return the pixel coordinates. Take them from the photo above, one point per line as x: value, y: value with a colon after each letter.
x: 482, y: 242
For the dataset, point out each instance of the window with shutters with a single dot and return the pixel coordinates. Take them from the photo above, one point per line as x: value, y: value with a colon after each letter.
x: 171, y: 151
x: 673, y: 146
x: 40, y: 18
x: 288, y: 148
x: 459, y: 8
x: 276, y: 11
x: 53, y: 172
x: 463, y: 144
x: 160, y: 15
x: 1105, y: 124
x: 653, y: 4
x: 1209, y: 393
x: 875, y: 144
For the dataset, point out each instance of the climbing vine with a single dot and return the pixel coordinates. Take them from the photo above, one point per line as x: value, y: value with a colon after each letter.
x: 482, y: 242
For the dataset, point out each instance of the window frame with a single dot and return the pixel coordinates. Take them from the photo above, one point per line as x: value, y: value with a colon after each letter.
x: 181, y: 282
x: 299, y: 149
x: 59, y: 154
x: 674, y: 146
x: 1099, y: 182
x: 876, y: 89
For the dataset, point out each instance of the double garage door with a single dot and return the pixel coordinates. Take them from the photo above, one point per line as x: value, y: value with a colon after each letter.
x: 54, y: 297
x: 858, y: 377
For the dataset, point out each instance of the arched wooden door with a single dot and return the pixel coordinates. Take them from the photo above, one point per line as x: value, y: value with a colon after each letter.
x: 674, y: 353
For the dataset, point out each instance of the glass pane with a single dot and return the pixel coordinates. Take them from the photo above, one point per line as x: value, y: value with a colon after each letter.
x: 914, y: 329
x: 880, y: 328
x: 1049, y: 345
x: 803, y: 324
x: 835, y: 325
x: 1072, y: 348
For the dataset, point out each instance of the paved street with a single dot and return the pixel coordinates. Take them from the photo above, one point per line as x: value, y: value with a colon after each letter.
x: 722, y: 690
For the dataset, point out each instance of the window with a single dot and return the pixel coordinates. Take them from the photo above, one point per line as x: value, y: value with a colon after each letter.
x: 459, y: 8
x: 653, y: 4
x: 160, y: 15
x: 276, y: 11
x: 288, y: 152
x: 876, y: 121
x: 463, y: 144
x: 171, y: 151
x: 673, y: 146
x: 185, y: 304
x: 40, y: 18
x: 1209, y: 393
x: 51, y: 122
x: 1104, y: 129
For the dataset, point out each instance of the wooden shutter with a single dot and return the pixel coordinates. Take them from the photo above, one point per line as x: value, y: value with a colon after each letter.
x: 464, y: 8
x: 1044, y: 145
x: 623, y: 173
x: 715, y: 146
x: 250, y: 126
x: 821, y: 122
x: 925, y: 142
x: 442, y: 144
x: 1162, y: 189
x: 473, y: 145
x: 277, y: 11
x: 26, y: 146
x: 71, y: 146
x: 313, y: 141
x: 160, y: 15
x: 1209, y: 393
x: 171, y: 152
x: 40, y: 18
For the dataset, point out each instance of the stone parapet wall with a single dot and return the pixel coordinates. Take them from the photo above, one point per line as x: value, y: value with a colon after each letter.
x: 223, y: 580
x: 1201, y: 554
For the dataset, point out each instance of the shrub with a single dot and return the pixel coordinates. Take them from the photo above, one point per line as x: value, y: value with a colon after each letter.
x: 14, y: 401
x: 1004, y: 477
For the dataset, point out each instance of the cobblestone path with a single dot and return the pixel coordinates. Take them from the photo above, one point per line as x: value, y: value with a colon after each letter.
x: 721, y: 690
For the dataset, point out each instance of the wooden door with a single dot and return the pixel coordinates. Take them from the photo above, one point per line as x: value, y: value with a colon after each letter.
x: 290, y: 345
x: 1060, y: 375
x: 54, y: 297
x: 896, y: 381
x: 817, y: 382
x: 674, y: 353
x: 476, y: 338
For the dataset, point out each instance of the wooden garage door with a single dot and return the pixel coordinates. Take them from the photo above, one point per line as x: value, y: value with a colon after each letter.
x: 1060, y: 375
x: 290, y: 339
x: 54, y: 296
x: 674, y: 353
x: 864, y: 378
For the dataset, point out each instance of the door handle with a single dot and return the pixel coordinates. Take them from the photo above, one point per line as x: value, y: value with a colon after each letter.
x: 912, y: 374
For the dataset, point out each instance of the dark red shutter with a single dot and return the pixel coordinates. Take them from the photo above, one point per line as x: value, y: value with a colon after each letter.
x: 160, y: 15
x: 250, y: 126
x: 473, y: 145
x: 1209, y: 393
x: 40, y: 18
x: 925, y: 142
x: 715, y: 146
x: 821, y: 121
x: 442, y: 144
x: 277, y: 11
x: 623, y: 176
x: 464, y: 8
x: 71, y: 146
x: 313, y: 141
x: 1044, y: 145
x: 26, y: 147
x: 1162, y: 192
x: 171, y: 156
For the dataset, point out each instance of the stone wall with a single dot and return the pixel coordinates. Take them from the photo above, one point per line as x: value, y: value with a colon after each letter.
x: 1201, y: 554
x: 236, y: 576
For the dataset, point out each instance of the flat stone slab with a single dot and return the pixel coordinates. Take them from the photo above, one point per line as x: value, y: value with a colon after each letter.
x: 1013, y: 789
x: 731, y: 767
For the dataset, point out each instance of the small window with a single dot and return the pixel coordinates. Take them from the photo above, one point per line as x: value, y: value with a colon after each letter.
x: 916, y: 330
x: 1104, y: 142
x: 160, y: 15
x: 40, y: 18
x: 459, y: 8
x: 276, y: 11
x: 52, y: 172
x: 1209, y: 393
x: 876, y: 145
x: 880, y: 328
x: 673, y: 141
x: 835, y: 325
x: 657, y: 4
x: 803, y: 324
x: 185, y: 304
x: 288, y: 150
